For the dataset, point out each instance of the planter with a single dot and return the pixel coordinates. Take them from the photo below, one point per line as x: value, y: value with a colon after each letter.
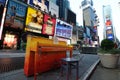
x: 109, y: 60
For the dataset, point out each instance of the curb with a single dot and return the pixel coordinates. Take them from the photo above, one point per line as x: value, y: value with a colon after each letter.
x: 89, y: 71
x: 11, y: 55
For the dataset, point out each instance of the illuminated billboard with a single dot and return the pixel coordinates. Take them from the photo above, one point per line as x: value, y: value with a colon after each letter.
x: 108, y: 22
x: 110, y: 36
x: 109, y: 31
x: 2, y: 4
x: 41, y: 4
x: 34, y: 20
x: 108, y: 27
x: 2, y: 12
x: 49, y: 25
x: 15, y: 16
x: 53, y: 9
x: 63, y: 29
x: 2, y: 1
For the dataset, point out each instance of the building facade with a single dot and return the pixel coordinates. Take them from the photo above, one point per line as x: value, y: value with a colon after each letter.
x: 63, y: 4
x: 89, y: 22
x: 16, y: 25
x: 108, y: 23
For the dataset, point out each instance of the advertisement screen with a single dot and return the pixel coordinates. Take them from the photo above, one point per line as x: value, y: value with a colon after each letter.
x: 34, y: 20
x: 2, y: 12
x: 108, y: 27
x: 63, y: 29
x: 108, y: 23
x: 2, y: 1
x: 54, y: 9
x: 109, y: 31
x: 15, y: 16
x: 110, y: 36
x: 49, y: 25
x: 2, y: 4
x: 42, y: 4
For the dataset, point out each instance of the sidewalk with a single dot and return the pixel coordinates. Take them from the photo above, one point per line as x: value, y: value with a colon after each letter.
x: 86, y: 65
x: 102, y: 73
x: 11, y: 53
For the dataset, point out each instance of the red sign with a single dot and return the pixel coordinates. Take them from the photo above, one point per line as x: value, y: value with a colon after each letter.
x: 108, y: 23
x: 49, y: 25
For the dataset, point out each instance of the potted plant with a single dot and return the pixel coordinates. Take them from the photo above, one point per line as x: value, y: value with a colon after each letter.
x: 109, y: 54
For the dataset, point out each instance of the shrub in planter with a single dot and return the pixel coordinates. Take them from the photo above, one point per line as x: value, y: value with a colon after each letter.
x: 109, y: 55
x: 107, y: 44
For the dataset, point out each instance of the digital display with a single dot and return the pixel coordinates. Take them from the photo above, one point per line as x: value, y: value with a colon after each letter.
x: 108, y: 23
x: 2, y: 4
x: 109, y: 31
x: 2, y: 1
x: 110, y: 36
x: 49, y: 25
x: 63, y: 29
x: 2, y: 15
x: 34, y: 20
x: 42, y: 4
x: 53, y: 9
x: 108, y: 27
x: 15, y: 16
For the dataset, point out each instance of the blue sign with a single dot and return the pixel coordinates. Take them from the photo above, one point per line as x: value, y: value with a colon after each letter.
x: 16, y: 12
x: 110, y: 36
x: 2, y: 1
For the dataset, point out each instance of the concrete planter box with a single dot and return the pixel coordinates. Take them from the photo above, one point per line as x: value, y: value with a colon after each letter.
x: 109, y: 60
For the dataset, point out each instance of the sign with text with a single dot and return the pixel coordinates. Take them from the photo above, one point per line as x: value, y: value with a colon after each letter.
x: 15, y: 16
x: 41, y: 4
x: 2, y: 12
x: 49, y: 25
x: 63, y: 29
x: 54, y: 9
